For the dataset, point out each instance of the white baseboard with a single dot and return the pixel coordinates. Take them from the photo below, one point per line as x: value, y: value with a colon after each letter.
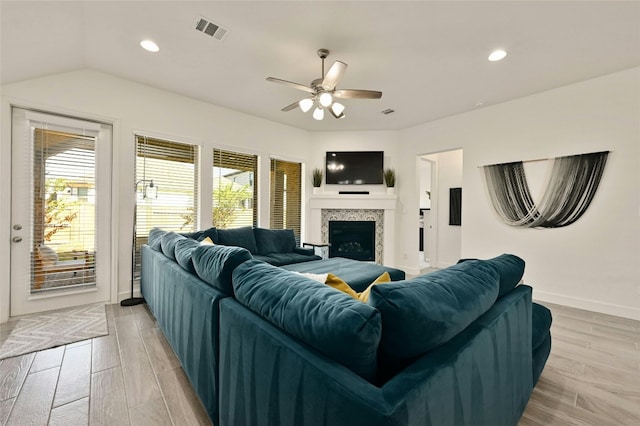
x: 127, y: 293
x: 409, y: 270
x: 588, y: 304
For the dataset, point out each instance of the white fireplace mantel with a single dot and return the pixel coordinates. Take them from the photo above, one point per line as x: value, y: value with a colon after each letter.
x: 386, y: 202
x: 353, y: 201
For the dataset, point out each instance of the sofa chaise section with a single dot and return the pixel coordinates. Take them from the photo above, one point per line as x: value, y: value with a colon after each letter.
x: 184, y: 298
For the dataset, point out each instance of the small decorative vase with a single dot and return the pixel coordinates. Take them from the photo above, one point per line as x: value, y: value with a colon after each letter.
x: 391, y: 190
x: 316, y: 189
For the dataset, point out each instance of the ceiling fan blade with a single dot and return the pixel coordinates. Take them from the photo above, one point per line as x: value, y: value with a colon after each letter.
x: 356, y: 94
x: 291, y: 84
x: 334, y: 75
x: 290, y: 107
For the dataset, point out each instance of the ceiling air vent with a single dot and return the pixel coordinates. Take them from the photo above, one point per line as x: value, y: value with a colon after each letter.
x: 206, y: 26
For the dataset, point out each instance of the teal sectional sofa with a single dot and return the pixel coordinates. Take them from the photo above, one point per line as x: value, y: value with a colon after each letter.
x: 275, y: 246
x: 263, y: 345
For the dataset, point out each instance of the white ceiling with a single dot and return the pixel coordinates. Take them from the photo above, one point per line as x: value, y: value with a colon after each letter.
x: 428, y: 58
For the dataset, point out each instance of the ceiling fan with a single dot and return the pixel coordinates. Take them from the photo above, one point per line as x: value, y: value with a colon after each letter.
x: 322, y: 91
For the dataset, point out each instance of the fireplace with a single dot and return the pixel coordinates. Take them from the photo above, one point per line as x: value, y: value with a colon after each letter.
x: 353, y: 239
x: 379, y: 208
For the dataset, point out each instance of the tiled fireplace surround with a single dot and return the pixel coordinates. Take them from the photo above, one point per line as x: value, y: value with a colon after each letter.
x: 354, y: 207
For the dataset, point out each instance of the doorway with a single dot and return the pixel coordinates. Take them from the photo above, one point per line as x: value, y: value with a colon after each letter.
x: 60, y: 212
x: 442, y: 241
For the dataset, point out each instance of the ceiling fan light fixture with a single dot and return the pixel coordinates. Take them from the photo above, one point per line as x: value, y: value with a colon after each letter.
x: 326, y: 99
x: 337, y: 109
x: 305, y: 104
x: 318, y: 114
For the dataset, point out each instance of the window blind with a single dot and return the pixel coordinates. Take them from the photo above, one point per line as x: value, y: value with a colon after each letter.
x: 285, y: 195
x: 235, y: 190
x: 64, y: 209
x: 166, y: 189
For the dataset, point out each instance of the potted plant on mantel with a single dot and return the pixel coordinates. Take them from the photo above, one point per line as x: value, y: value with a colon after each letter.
x: 390, y: 180
x: 317, y: 180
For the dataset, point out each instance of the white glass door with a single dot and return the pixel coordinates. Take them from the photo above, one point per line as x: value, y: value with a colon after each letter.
x: 60, y: 250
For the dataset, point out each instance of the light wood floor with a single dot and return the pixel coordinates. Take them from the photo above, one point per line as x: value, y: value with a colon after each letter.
x: 592, y: 376
x: 132, y: 377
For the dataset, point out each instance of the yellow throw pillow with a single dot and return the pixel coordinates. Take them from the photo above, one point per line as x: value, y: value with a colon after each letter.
x: 207, y: 242
x: 339, y: 284
x: 364, y: 295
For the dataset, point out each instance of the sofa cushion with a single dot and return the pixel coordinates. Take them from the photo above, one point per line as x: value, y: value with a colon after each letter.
x: 359, y: 275
x: 333, y: 323
x: 168, y: 243
x: 241, y: 237
x: 184, y: 253
x: 425, y: 312
x: 274, y: 240
x: 201, y: 235
x: 541, y: 322
x: 281, y: 259
x: 510, y: 268
x: 155, y: 236
x: 215, y: 263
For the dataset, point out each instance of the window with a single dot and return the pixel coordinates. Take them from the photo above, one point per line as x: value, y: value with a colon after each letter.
x: 235, y: 191
x: 64, y: 169
x: 166, y: 188
x: 286, y: 189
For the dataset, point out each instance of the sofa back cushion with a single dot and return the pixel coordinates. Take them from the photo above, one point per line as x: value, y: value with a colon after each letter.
x: 155, y: 238
x: 168, y: 243
x: 215, y: 263
x: 274, y: 240
x: 510, y: 268
x: 212, y: 233
x: 422, y: 313
x: 240, y: 237
x: 184, y: 253
x: 342, y: 328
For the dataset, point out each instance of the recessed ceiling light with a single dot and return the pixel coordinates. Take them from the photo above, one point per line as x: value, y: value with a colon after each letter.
x: 497, y: 55
x: 149, y: 45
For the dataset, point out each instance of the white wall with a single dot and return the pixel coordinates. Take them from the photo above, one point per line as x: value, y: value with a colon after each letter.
x: 424, y: 171
x: 387, y: 141
x: 136, y: 107
x: 592, y: 264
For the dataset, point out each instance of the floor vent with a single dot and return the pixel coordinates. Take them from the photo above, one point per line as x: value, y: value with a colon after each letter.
x: 206, y: 26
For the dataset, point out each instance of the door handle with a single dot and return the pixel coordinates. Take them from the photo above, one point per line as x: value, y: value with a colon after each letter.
x: 16, y: 239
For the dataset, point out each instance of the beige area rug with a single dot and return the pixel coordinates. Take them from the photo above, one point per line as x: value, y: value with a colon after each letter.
x: 55, y: 328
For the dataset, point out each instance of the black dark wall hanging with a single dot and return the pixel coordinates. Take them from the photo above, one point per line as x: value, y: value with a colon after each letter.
x: 455, y: 206
x: 571, y: 188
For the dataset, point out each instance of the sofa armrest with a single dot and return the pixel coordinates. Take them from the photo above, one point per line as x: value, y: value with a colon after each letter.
x: 304, y: 250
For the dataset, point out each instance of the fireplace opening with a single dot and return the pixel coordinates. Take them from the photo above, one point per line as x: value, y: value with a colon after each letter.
x: 352, y: 239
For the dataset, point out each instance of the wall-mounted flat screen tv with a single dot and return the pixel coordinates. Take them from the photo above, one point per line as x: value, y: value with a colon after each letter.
x: 354, y: 167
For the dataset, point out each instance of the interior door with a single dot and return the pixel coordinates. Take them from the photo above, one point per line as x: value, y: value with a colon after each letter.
x: 60, y: 193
